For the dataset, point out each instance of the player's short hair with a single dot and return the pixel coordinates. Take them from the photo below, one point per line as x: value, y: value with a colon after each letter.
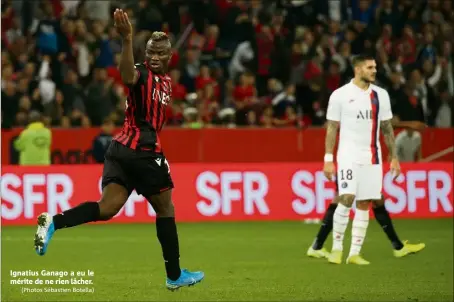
x: 159, y: 36
x: 361, y: 58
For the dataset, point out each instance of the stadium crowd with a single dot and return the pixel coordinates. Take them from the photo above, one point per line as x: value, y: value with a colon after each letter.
x: 236, y: 63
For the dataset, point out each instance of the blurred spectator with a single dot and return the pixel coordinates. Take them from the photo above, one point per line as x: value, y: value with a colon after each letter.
x: 209, y: 105
x: 445, y: 114
x: 60, y: 58
x: 243, y: 54
x: 252, y: 119
x: 101, y: 96
x: 178, y: 89
x: 34, y: 142
x: 10, y: 104
x: 408, y: 107
x: 102, y: 141
x: 192, y: 119
x: 284, y: 100
x: 244, y: 96
x: 408, y: 146
x: 267, y: 119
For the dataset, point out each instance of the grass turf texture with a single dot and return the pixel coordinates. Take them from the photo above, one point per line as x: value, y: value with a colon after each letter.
x: 242, y: 262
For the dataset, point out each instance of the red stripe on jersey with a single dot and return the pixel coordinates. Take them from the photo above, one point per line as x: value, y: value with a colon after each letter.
x: 135, y: 140
x: 130, y: 117
x: 124, y: 139
x: 374, y: 135
x: 136, y: 131
x: 162, y: 106
x: 156, y: 92
x: 149, y: 98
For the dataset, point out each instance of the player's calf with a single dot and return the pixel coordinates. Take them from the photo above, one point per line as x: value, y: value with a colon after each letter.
x: 340, y: 221
x: 401, y: 249
x: 383, y: 218
x: 113, y: 199
x: 166, y: 230
x: 359, y: 227
x: 325, y: 229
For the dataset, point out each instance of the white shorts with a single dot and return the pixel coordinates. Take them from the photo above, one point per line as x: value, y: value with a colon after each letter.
x: 365, y: 181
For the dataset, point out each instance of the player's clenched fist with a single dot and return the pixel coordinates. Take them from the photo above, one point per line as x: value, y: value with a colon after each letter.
x: 122, y: 24
x: 328, y: 169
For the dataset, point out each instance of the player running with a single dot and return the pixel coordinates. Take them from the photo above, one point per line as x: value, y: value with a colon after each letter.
x: 401, y: 249
x: 359, y: 109
x: 135, y: 159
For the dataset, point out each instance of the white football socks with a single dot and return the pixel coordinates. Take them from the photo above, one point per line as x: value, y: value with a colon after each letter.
x: 359, y: 228
x: 340, y: 222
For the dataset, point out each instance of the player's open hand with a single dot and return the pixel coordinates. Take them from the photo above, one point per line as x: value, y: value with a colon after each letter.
x: 122, y: 24
x: 395, y: 168
x: 328, y: 169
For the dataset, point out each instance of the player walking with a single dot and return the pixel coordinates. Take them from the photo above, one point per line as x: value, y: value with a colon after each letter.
x: 135, y: 159
x: 360, y: 109
x: 401, y: 249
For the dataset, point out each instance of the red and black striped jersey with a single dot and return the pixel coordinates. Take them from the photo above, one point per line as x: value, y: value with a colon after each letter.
x: 146, y: 110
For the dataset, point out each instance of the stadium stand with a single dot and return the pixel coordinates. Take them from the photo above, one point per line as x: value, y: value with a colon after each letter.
x: 236, y: 63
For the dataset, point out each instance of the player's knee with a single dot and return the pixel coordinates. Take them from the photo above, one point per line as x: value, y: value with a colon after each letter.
x: 166, y: 210
x: 362, y: 205
x: 108, y: 208
x: 378, y: 203
x: 346, y: 200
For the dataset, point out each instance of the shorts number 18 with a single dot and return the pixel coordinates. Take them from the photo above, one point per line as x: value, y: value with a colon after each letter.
x: 346, y: 174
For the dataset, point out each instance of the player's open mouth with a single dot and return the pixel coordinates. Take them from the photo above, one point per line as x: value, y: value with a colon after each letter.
x: 154, y: 65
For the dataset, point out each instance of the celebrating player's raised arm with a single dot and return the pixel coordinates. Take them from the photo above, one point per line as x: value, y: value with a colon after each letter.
x: 386, y: 126
x: 333, y: 117
x: 128, y: 73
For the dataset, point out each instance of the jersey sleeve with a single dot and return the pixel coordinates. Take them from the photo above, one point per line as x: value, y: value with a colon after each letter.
x: 141, y: 71
x: 334, y: 107
x: 385, y: 112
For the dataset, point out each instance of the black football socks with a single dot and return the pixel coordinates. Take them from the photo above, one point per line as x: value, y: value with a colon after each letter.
x: 83, y: 213
x: 326, y: 227
x: 382, y: 216
x: 168, y: 237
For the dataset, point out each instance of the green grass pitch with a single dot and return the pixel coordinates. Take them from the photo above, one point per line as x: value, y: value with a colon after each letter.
x: 247, y: 261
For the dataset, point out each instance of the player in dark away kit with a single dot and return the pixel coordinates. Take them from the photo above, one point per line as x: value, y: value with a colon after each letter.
x: 135, y: 159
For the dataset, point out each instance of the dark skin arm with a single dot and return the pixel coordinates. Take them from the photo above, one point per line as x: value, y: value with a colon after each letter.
x: 128, y: 73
